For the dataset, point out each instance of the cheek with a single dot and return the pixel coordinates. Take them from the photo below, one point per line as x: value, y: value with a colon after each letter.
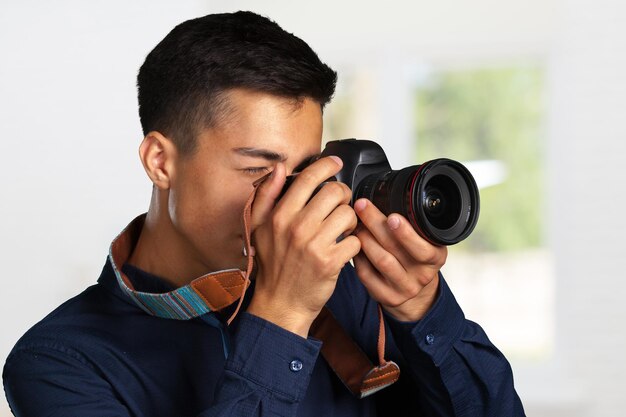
x: 209, y: 212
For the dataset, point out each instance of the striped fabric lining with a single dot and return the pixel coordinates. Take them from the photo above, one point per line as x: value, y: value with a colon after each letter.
x: 181, y: 304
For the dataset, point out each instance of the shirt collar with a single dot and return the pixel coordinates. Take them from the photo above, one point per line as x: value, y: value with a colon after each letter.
x: 145, y: 281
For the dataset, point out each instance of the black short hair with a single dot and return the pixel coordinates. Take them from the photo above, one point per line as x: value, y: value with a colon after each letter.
x: 182, y: 82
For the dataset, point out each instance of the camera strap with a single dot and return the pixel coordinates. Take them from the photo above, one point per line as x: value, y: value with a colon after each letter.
x: 217, y: 290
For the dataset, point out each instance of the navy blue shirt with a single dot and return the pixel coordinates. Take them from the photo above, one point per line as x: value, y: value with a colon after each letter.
x: 99, y: 354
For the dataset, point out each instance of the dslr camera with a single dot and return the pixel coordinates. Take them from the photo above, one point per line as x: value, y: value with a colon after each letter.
x: 439, y: 198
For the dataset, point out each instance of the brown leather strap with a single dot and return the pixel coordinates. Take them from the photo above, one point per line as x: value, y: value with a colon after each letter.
x: 221, y: 289
x: 248, y: 250
x: 348, y: 361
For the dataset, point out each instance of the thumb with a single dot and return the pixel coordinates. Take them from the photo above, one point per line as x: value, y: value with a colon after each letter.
x: 266, y: 196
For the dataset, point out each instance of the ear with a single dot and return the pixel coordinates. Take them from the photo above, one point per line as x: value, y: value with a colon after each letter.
x: 157, y: 154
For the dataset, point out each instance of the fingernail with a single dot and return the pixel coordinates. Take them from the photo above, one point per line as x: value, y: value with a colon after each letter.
x: 337, y: 159
x: 393, y: 222
x: 360, y: 205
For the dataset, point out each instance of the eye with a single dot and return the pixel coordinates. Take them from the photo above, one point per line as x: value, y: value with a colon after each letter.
x: 255, y: 170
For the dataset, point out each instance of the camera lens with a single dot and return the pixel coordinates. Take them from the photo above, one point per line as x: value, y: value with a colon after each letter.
x: 439, y: 198
x: 442, y: 202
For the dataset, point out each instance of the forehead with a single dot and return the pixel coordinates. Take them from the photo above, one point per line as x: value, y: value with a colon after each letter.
x: 284, y: 126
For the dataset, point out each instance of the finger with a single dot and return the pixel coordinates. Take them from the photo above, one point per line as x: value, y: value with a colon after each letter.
x: 375, y: 283
x: 339, y: 223
x: 416, y: 246
x: 332, y: 195
x: 299, y: 193
x: 266, y: 195
x: 347, y: 249
x: 386, y: 263
x: 376, y: 222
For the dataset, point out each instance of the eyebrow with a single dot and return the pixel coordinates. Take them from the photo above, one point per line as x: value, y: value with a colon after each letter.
x: 261, y: 153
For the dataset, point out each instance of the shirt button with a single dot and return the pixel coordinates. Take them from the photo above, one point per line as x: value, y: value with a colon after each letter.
x: 430, y: 339
x: 295, y: 365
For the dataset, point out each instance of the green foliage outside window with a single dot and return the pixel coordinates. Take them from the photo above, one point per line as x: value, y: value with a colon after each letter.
x: 492, y: 114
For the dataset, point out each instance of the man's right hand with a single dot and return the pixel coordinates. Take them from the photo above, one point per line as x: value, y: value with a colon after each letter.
x: 297, y: 253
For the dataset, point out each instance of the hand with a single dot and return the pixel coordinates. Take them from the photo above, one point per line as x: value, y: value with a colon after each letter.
x: 297, y: 254
x: 398, y: 267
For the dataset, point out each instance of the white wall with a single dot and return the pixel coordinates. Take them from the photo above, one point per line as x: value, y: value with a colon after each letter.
x: 69, y: 134
x: 72, y: 180
x: 588, y: 131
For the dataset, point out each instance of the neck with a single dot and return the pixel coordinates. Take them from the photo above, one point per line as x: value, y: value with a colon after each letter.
x: 162, y: 251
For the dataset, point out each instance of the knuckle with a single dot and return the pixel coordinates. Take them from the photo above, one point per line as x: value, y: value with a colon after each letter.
x: 431, y: 256
x: 334, y: 190
x: 354, y: 220
x: 311, y: 248
x: 346, y: 211
x: 347, y: 192
x: 364, y: 273
x: 297, y: 231
x: 323, y: 264
x: 424, y: 280
x: 426, y: 277
x: 412, y: 290
x: 385, y: 261
x: 279, y: 224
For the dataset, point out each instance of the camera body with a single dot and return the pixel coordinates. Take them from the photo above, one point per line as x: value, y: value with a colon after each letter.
x: 361, y: 158
x: 439, y: 197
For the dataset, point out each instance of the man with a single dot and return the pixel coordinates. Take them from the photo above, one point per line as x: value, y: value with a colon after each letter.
x: 225, y: 100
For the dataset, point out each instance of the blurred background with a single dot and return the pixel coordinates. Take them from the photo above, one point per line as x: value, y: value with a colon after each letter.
x: 531, y: 94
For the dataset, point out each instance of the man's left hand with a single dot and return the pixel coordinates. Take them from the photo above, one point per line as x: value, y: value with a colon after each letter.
x: 399, y: 268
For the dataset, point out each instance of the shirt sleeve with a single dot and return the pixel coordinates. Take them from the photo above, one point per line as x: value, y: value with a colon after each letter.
x: 55, y: 381
x: 267, y: 373
x: 456, y: 369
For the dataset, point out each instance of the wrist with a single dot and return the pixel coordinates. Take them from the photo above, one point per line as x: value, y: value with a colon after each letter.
x: 416, y: 308
x: 282, y: 317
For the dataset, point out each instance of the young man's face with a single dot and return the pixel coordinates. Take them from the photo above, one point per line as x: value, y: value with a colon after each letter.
x: 210, y: 188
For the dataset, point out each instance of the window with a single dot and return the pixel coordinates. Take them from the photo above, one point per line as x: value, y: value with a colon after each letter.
x: 492, y: 120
